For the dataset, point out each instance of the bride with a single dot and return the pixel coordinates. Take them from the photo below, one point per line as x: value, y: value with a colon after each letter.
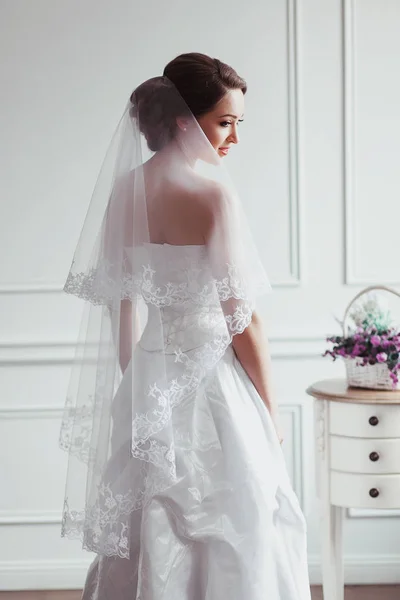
x: 176, y: 477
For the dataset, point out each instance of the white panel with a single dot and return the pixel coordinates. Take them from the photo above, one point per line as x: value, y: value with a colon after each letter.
x: 32, y: 467
x: 353, y: 454
x: 292, y: 445
x: 37, y: 316
x: 40, y: 383
x: 29, y: 543
x: 66, y: 82
x: 352, y: 490
x: 279, y: 231
x: 352, y: 419
x: 372, y: 140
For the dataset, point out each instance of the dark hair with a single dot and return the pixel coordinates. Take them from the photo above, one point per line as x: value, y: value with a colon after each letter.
x: 202, y: 82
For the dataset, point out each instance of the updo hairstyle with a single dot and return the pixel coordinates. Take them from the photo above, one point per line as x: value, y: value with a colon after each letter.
x: 201, y: 81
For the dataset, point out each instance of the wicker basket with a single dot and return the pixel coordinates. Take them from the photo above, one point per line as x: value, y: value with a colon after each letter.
x: 375, y: 377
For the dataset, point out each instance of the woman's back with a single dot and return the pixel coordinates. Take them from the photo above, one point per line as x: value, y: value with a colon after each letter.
x: 179, y: 204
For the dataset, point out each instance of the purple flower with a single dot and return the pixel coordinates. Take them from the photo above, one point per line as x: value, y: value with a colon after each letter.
x: 369, y: 347
x: 357, y: 350
x: 381, y: 357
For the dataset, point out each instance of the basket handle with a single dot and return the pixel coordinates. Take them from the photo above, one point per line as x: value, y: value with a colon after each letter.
x: 364, y: 291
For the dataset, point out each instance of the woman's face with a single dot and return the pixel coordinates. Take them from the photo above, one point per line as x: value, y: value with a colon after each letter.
x: 221, y: 124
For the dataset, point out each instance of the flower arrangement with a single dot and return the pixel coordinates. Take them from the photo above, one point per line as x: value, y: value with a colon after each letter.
x: 372, y: 339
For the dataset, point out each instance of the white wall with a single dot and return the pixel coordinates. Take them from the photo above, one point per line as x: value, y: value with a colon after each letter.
x: 317, y: 176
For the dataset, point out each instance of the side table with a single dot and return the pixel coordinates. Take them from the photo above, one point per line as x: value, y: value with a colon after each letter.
x: 357, y: 433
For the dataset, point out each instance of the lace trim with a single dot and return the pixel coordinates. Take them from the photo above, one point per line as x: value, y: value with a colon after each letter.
x: 99, y: 287
x: 104, y: 527
x: 148, y: 424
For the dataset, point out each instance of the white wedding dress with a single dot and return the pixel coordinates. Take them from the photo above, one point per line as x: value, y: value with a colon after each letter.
x: 232, y: 527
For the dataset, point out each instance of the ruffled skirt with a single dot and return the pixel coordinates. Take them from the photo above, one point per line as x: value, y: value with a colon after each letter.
x: 232, y: 528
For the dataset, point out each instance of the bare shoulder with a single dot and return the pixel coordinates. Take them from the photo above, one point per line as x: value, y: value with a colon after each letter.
x: 213, y: 199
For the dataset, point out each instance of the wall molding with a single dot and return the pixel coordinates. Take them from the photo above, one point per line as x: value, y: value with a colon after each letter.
x: 21, y: 289
x: 43, y: 352
x: 370, y: 513
x: 70, y: 574
x: 36, y: 352
x: 349, y: 126
x: 363, y: 569
x: 297, y: 348
x: 30, y: 288
x: 31, y: 517
x: 295, y: 221
x: 348, y: 138
x: 36, y: 411
x: 43, y: 574
x: 295, y: 411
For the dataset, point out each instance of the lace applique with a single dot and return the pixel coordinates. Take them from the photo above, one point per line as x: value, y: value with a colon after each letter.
x: 100, y: 529
x: 230, y: 286
x: 104, y: 527
x: 76, y: 430
x: 240, y: 319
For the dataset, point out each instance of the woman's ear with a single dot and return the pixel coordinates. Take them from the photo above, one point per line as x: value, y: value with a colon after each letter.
x: 182, y: 123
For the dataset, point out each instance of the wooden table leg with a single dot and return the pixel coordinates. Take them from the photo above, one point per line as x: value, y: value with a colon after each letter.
x: 338, y: 550
x: 332, y: 554
x: 331, y: 516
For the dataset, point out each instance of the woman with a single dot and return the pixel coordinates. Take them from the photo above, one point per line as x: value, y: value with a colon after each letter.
x: 176, y: 475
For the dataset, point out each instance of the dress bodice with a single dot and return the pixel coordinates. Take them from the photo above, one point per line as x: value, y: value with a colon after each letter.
x: 176, y: 283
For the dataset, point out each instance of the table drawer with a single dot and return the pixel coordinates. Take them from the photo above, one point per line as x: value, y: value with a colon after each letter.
x: 364, y: 420
x: 362, y: 455
x: 365, y: 491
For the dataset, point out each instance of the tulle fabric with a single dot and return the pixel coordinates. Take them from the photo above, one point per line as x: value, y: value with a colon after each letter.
x: 157, y: 321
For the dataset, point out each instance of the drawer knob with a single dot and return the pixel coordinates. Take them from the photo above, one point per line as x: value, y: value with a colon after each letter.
x: 374, y: 456
x: 373, y: 421
x: 374, y: 493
